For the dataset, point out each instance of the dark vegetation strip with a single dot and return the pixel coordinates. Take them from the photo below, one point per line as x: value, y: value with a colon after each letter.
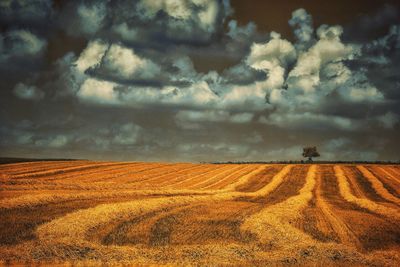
x: 19, y: 160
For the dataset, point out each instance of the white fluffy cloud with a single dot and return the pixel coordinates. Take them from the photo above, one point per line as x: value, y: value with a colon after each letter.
x: 276, y: 52
x: 203, y: 12
x: 144, y: 20
x: 125, y: 63
x: 97, y: 91
x: 299, y: 78
x: 91, y: 56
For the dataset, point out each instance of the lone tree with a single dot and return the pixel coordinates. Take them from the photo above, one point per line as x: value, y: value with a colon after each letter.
x: 310, y: 152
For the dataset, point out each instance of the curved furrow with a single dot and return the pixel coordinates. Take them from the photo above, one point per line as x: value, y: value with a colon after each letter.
x: 155, y: 174
x: 373, y: 206
x: 361, y: 187
x: 250, y: 215
x: 341, y: 229
x: 394, y: 171
x: 132, y: 231
x: 26, y: 166
x: 378, y: 186
x: 54, y: 196
x: 90, y: 176
x: 157, y: 178
x: 293, y: 183
x: 47, y: 173
x: 209, y: 178
x: 262, y: 195
x: 258, y: 181
x: 194, y: 224
x: 372, y: 230
x: 93, y: 174
x: 202, y: 178
x: 16, y: 170
x: 228, y: 179
x: 67, y: 180
x: 127, y: 173
x: 183, y: 179
x: 273, y: 225
x: 387, y: 179
x: 282, y: 185
x: 212, y: 179
x: 22, y: 165
x: 354, y: 185
x: 73, y: 227
x: 244, y: 178
x: 19, y: 224
x: 203, y: 223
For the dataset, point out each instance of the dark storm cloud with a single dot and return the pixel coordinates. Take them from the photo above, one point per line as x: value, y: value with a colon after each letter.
x: 18, y: 47
x: 143, y: 22
x: 371, y: 26
x: 134, y: 81
x: 25, y: 12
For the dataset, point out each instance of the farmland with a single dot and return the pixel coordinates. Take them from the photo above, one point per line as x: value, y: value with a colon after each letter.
x: 87, y: 212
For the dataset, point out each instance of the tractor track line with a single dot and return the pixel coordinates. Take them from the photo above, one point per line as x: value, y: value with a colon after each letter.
x: 345, y: 191
x: 378, y: 186
x: 344, y: 233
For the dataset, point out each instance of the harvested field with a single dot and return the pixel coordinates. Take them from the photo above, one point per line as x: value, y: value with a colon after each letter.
x: 91, y: 213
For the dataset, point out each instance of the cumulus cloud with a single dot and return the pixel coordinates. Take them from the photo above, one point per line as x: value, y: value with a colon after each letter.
x: 302, y: 23
x: 145, y: 60
x: 204, y: 12
x: 275, y: 75
x: 125, y: 63
x: 97, y: 91
x: 91, y: 56
x: 276, y: 52
x: 139, y: 21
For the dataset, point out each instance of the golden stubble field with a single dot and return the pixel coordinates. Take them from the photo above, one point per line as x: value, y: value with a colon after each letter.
x: 89, y: 213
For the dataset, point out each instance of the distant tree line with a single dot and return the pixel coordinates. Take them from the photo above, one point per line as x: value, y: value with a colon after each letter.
x: 308, y: 152
x: 306, y: 162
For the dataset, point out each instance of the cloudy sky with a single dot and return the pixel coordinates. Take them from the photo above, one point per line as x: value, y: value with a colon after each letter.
x: 200, y: 80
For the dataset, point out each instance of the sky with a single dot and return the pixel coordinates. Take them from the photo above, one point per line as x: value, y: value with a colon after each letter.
x: 199, y: 80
